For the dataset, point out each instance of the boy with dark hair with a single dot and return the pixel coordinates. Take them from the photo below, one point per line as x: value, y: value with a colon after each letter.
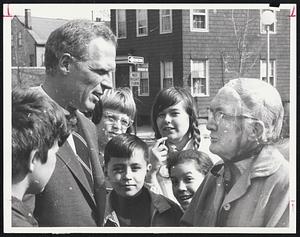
x: 130, y: 203
x: 38, y: 129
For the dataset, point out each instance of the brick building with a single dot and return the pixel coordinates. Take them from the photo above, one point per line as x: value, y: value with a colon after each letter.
x: 198, y: 49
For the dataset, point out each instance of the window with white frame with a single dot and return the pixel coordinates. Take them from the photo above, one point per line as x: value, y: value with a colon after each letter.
x: 121, y: 24
x: 144, y: 81
x: 199, y: 20
x: 166, y: 74
x: 141, y: 23
x: 165, y: 21
x: 20, y: 43
x: 263, y: 28
x: 271, y: 69
x: 199, y: 77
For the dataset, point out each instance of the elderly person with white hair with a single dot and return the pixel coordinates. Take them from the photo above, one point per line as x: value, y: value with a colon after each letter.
x: 250, y: 187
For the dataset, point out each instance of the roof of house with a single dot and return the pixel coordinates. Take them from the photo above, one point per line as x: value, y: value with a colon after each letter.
x: 42, y: 27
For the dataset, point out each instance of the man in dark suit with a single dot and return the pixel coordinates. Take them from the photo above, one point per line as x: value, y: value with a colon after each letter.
x: 79, y: 61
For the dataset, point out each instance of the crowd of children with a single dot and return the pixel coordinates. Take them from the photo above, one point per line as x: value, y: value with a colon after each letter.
x: 147, y: 186
x: 128, y: 162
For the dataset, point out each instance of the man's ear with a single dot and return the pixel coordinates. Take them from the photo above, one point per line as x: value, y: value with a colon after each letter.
x: 256, y: 130
x: 64, y: 63
x: 32, y: 160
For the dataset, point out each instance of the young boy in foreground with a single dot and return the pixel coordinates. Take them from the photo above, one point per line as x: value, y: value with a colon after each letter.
x: 130, y: 203
x: 38, y: 129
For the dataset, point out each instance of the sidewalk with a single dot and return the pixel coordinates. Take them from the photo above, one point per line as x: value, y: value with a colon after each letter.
x: 145, y: 132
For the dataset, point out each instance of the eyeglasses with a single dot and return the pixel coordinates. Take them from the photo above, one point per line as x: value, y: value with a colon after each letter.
x: 219, y: 115
x: 113, y: 118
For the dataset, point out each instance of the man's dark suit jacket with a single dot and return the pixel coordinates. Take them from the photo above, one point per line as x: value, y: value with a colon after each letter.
x: 68, y: 199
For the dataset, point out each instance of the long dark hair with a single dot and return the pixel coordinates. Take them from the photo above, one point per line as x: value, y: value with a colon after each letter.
x: 170, y: 96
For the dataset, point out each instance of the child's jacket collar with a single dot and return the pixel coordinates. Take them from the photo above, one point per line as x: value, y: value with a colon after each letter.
x: 158, y: 204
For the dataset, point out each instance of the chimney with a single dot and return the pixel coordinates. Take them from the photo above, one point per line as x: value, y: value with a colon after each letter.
x: 28, y: 19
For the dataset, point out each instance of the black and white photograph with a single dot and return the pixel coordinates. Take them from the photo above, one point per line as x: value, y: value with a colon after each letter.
x: 149, y: 118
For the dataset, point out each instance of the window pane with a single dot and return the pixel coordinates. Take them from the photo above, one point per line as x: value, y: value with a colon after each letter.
x: 198, y: 69
x: 121, y: 17
x: 168, y: 69
x: 142, y: 31
x: 199, y: 77
x: 203, y: 85
x: 165, y: 20
x: 166, y: 24
x: 271, y: 80
x: 199, y: 21
x: 196, y: 86
x: 144, y: 89
x: 199, y: 86
x: 142, y: 22
x: 122, y: 29
x: 165, y: 12
x: 142, y: 15
x: 144, y: 74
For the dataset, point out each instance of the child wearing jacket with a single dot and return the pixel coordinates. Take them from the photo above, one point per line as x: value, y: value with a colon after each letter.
x: 130, y: 203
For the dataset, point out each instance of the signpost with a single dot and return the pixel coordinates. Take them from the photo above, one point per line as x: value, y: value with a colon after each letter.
x: 135, y: 60
x: 129, y: 59
x: 134, y: 79
x: 142, y: 68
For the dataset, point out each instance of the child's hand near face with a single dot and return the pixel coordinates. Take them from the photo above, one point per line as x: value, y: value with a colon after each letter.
x: 158, y: 154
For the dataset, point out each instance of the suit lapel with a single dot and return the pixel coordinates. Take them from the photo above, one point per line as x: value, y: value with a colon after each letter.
x: 89, y: 133
x: 66, y: 154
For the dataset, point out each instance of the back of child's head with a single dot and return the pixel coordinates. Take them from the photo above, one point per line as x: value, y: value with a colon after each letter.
x: 171, y: 96
x: 201, y: 159
x: 120, y: 99
x: 37, y: 123
x: 124, y: 145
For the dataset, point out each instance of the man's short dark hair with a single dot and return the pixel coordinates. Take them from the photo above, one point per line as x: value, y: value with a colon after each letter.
x: 123, y: 145
x: 37, y: 123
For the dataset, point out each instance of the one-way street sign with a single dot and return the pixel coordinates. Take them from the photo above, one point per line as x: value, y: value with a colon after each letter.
x: 135, y: 59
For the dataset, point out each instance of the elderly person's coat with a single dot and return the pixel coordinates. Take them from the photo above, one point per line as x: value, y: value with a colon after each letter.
x: 259, y: 198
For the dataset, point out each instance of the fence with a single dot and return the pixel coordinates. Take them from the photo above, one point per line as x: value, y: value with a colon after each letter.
x: 27, y: 76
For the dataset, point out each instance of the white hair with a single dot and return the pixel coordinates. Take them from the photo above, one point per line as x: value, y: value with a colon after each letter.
x: 263, y: 102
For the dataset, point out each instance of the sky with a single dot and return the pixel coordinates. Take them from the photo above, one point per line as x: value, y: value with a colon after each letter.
x: 64, y: 11
x: 84, y: 11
